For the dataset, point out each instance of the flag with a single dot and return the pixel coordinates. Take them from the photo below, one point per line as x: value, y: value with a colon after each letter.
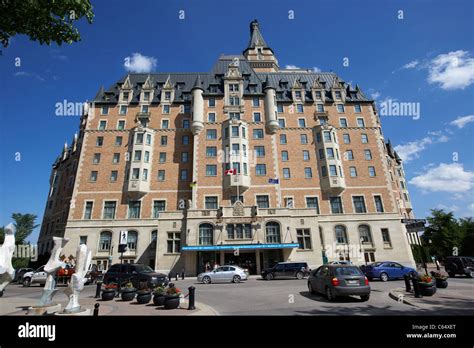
x: 273, y: 181
x: 231, y: 171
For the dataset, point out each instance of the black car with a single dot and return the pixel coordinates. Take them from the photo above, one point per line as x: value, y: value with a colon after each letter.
x: 297, y: 270
x: 462, y: 265
x: 139, y: 275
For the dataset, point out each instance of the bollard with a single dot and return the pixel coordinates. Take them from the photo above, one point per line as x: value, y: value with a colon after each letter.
x: 96, y: 309
x: 182, y: 275
x: 406, y: 277
x: 416, y: 288
x: 192, y: 290
x: 97, y: 289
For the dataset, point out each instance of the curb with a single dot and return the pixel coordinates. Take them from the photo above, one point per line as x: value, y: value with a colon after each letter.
x: 393, y: 294
x: 203, y: 309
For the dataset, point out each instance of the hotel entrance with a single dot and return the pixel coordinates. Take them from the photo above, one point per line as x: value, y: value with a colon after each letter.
x: 269, y: 258
x: 206, y: 258
x: 244, y: 260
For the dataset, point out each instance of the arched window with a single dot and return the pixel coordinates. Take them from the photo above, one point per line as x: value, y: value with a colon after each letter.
x: 341, y: 234
x: 364, y: 234
x: 132, y: 239
x: 272, y: 230
x: 154, y: 238
x: 105, y: 241
x: 206, y: 234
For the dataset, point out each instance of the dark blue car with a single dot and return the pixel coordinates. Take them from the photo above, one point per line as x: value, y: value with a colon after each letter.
x: 386, y: 270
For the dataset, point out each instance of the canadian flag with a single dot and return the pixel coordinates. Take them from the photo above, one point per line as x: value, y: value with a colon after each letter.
x: 231, y: 171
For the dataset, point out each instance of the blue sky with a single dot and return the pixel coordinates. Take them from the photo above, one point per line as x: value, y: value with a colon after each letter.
x: 424, y: 58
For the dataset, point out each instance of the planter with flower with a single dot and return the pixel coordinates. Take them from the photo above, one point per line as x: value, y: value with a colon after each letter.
x: 128, y: 292
x: 172, y: 297
x: 440, y: 279
x: 427, y: 285
x: 159, y: 296
x: 144, y: 295
x: 108, y: 291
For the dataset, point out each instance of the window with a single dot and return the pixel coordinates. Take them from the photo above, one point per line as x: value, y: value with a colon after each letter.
x: 359, y: 204
x: 272, y: 232
x: 211, y: 134
x: 166, y: 109
x: 343, y: 122
x: 301, y: 122
x: 96, y: 159
x: 368, y: 155
x: 146, y: 157
x: 132, y: 238
x: 99, y: 141
x: 185, y: 139
x: 341, y: 234
x: 210, y: 202
x: 353, y: 172
x: 144, y: 109
x: 308, y: 173
x: 239, y: 231
x: 212, y: 102
x: 83, y: 240
x: 234, y: 101
x: 184, y: 157
x: 304, y: 238
x: 93, y: 176
x: 146, y: 96
x: 145, y: 174
x: 162, y: 158
x: 386, y: 236
x: 259, y: 151
x: 337, y: 95
x: 211, y: 117
x: 235, y: 131
x: 211, y: 170
x: 306, y: 155
x: 327, y: 136
x: 371, y: 171
x: 321, y: 153
x: 137, y: 156
x: 312, y: 202
x: 405, y: 196
x: 121, y: 125
x: 165, y: 124
x: 105, y: 241
x: 402, y: 184
x: 357, y: 108
x: 346, y: 138
x: 260, y: 169
x: 281, y: 123
x: 258, y: 133
x: 360, y: 122
x: 123, y: 110
x: 336, y: 205
x: 364, y: 234
x: 88, y: 210
x: 104, y: 110
x: 135, y: 173
x: 183, y: 175
x: 262, y: 201
x: 206, y: 233
x: 324, y: 171
x: 257, y: 117
x: 233, y: 199
x: 332, y: 170
x: 148, y: 139
x: 255, y: 102
x: 211, y: 151
x: 233, y: 87
x: 286, y: 173
x: 164, y: 140
x: 318, y: 137
x: 280, y: 108
x: 139, y: 138
x: 349, y: 155
x: 378, y: 204
x: 320, y: 107
x: 304, y: 138
x: 330, y: 153
x: 161, y: 175
x: 318, y: 95
x: 323, y: 120
x: 173, y: 242
x: 340, y: 108
x: 299, y: 108
x: 213, y: 89
x: 235, y: 149
x: 364, y: 138
x: 134, y: 209
x: 284, y: 156
x: 158, y: 206
x: 113, y: 175
x: 109, y: 209
x: 297, y: 94
x: 118, y: 141
x: 153, y: 239
x: 283, y: 139
x: 234, y: 115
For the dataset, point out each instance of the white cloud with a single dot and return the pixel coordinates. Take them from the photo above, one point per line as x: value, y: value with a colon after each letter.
x: 453, y: 70
x: 291, y: 66
x: 445, y: 178
x: 139, y: 63
x: 27, y: 74
x: 411, y: 65
x: 316, y: 69
x: 460, y: 122
x: 411, y: 150
x: 375, y: 95
x: 453, y: 207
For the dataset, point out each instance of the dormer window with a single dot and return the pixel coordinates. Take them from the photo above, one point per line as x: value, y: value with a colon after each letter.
x: 297, y: 94
x: 338, y: 95
x: 279, y: 95
x: 167, y: 95
x: 213, y: 89
x: 318, y: 95
x: 125, y: 96
x: 233, y: 87
x: 146, y: 96
x: 253, y: 88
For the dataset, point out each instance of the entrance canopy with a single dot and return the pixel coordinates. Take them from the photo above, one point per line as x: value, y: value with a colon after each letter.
x: 238, y: 246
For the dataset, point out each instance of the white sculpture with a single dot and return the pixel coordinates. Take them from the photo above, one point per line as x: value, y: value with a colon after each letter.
x: 6, y: 253
x: 76, y: 285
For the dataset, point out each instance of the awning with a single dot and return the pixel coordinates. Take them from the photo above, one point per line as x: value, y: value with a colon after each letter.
x: 239, y: 246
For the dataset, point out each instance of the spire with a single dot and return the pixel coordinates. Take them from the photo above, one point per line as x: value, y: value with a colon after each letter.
x: 197, y: 83
x: 256, y: 38
x: 260, y: 57
x: 100, y: 93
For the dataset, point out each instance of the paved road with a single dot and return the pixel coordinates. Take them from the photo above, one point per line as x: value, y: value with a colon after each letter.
x: 291, y: 297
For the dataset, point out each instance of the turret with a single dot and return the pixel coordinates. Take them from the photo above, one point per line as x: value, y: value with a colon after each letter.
x: 271, y: 122
x: 198, y: 107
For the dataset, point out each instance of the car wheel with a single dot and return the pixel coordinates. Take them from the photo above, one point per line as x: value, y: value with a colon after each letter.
x: 383, y: 276
x: 330, y: 296
x: 310, y: 288
x: 26, y: 282
x: 452, y: 275
x: 269, y: 276
x: 206, y: 280
x: 236, y: 279
x: 365, y: 297
x: 299, y: 275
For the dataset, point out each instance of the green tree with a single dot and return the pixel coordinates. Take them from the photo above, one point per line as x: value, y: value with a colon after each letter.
x: 442, y: 234
x: 25, y: 224
x: 466, y: 226
x: 45, y: 21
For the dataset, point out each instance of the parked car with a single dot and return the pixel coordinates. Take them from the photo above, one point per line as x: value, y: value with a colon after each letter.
x: 285, y: 270
x: 18, y: 277
x: 138, y: 274
x: 223, y: 274
x: 339, y: 280
x: 340, y: 262
x: 386, y: 270
x: 462, y: 265
x: 35, y: 277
